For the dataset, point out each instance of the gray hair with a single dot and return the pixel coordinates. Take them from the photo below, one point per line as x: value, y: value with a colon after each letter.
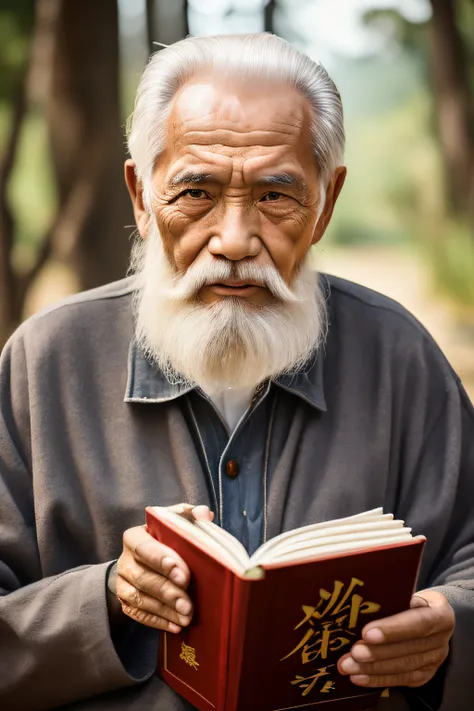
x: 255, y: 56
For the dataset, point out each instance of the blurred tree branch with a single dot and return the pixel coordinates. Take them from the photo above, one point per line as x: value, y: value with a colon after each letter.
x: 442, y: 46
x: 150, y: 25
x: 166, y: 22
x: 14, y: 285
x: 455, y: 111
x: 10, y: 306
x: 269, y: 12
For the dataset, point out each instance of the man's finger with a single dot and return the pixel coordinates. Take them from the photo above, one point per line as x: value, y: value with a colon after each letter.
x: 399, y: 665
x: 412, y: 679
x: 156, y: 556
x: 362, y: 652
x: 202, y: 513
x: 411, y: 624
x: 418, y: 601
x: 150, y: 620
x: 135, y: 599
x: 145, y: 580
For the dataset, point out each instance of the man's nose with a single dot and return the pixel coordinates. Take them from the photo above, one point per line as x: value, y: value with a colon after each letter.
x: 236, y: 234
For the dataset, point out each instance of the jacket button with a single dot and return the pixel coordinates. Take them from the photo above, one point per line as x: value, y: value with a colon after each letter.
x: 232, y: 468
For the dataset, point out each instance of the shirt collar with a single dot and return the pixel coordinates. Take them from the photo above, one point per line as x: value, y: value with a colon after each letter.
x: 146, y: 383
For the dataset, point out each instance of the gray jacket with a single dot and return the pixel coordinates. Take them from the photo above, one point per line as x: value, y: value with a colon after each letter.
x: 83, y: 451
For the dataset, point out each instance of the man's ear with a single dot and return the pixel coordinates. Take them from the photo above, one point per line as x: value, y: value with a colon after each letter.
x: 333, y: 191
x: 135, y: 188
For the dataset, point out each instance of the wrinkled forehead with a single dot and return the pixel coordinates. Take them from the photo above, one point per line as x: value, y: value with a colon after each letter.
x: 262, y: 104
x: 260, y: 118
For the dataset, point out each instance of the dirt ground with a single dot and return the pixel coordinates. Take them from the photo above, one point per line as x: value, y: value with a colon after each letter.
x: 401, y: 274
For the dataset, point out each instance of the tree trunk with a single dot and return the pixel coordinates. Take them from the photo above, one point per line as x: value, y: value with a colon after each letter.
x: 87, y: 142
x: 269, y: 13
x: 10, y: 307
x: 167, y: 22
x: 454, y: 104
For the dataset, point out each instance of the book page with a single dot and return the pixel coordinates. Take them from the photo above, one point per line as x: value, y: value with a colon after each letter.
x: 218, y: 544
x: 373, y: 516
x: 369, y: 529
x: 226, y: 540
x: 334, y: 547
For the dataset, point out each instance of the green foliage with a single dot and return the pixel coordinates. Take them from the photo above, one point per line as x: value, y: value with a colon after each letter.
x: 452, y: 255
x: 391, y: 23
x: 16, y: 25
x: 395, y: 188
x: 31, y: 189
x: 394, y: 174
x: 466, y: 27
x: 374, y: 85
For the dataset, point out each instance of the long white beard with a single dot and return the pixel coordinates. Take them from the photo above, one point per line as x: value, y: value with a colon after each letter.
x: 230, y: 343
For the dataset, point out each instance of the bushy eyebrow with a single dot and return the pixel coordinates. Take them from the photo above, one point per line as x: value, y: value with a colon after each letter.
x: 189, y: 177
x: 283, y: 179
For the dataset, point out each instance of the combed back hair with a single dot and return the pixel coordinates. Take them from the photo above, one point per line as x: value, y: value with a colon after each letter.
x: 246, y: 57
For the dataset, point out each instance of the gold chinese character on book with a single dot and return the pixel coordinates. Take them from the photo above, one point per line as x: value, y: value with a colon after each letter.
x: 307, y: 683
x: 188, y: 655
x: 329, y: 627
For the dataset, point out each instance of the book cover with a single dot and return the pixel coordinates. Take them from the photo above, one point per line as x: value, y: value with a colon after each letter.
x: 194, y: 663
x: 272, y: 644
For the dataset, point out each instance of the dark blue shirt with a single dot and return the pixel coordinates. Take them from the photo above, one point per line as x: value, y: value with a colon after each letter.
x: 236, y: 464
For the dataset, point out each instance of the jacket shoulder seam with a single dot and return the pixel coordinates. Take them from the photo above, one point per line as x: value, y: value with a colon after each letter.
x: 76, y: 300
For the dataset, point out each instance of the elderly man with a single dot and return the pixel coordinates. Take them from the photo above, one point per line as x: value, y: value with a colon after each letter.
x: 226, y: 375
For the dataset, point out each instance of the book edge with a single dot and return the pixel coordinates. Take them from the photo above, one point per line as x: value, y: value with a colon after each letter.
x: 416, y: 540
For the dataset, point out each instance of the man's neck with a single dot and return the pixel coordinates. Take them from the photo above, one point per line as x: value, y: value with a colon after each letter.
x: 232, y: 402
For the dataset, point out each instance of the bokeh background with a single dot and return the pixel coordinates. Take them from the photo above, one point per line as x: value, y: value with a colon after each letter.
x: 405, y: 68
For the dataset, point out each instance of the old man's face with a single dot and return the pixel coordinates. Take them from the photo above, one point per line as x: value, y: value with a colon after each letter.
x: 235, y: 203
x: 238, y: 181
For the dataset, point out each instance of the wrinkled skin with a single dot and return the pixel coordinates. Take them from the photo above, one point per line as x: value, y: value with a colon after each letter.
x: 229, y: 142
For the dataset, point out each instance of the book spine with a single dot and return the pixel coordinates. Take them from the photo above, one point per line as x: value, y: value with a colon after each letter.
x: 238, y: 624
x: 224, y: 642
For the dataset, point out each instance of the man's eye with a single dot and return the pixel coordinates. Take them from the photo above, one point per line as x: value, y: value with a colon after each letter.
x: 272, y: 197
x: 195, y: 194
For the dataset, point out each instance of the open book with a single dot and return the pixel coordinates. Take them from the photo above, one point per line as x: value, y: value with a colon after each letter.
x: 268, y: 629
x: 364, y: 530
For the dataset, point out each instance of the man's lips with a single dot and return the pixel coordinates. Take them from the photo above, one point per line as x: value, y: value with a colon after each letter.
x: 235, y: 288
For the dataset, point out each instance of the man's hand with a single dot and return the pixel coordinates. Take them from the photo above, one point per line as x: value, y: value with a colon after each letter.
x: 403, y: 650
x: 152, y: 579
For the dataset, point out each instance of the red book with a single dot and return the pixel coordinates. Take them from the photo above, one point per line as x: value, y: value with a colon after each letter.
x: 267, y: 631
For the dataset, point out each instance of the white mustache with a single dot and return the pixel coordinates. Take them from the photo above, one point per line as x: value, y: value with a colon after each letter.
x: 215, y: 271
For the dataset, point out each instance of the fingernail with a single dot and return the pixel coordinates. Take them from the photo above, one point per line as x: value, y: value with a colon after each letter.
x: 173, y: 628
x: 361, y: 653
x: 167, y: 563
x: 201, y: 512
x: 360, y: 679
x: 177, y: 576
x: 375, y: 635
x: 183, y: 606
x: 350, y: 666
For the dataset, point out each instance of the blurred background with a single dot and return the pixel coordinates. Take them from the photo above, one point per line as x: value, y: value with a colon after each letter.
x: 405, y: 68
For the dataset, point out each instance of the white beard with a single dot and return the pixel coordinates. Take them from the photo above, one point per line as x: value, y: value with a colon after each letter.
x: 230, y: 343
